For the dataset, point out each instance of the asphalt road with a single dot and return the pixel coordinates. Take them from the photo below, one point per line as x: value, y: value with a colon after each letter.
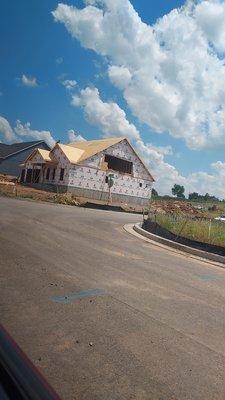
x: 104, y: 315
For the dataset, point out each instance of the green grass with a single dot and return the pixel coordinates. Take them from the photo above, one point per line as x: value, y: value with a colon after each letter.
x: 195, y: 229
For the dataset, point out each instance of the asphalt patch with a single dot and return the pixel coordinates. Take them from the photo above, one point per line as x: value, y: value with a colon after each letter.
x: 70, y: 297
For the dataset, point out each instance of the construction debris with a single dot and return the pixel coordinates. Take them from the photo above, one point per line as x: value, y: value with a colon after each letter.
x: 174, y: 207
x: 10, y: 187
x: 7, y: 179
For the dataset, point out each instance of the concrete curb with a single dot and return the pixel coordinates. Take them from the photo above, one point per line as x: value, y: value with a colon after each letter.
x: 137, y: 231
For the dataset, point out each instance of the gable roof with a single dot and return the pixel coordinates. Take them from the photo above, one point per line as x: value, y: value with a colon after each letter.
x: 45, y: 154
x: 80, y: 151
x: 7, y: 150
x: 73, y: 154
x: 91, y: 147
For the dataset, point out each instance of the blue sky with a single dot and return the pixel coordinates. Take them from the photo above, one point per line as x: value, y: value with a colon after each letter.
x: 36, y: 46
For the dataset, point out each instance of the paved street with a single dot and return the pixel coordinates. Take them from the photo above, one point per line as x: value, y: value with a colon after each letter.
x: 105, y: 315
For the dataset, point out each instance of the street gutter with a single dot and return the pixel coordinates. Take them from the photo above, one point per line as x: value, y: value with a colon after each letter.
x: 137, y: 231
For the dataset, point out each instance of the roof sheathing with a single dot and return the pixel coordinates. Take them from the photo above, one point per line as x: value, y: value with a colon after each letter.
x: 72, y: 154
x: 80, y: 151
x: 45, y: 154
x: 93, y: 147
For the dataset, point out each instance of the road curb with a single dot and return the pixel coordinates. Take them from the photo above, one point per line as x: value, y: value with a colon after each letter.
x: 141, y: 233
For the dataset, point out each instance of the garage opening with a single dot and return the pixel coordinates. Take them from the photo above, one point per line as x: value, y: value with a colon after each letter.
x: 118, y: 164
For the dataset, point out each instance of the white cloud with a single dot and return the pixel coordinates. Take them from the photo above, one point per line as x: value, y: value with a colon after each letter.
x: 210, y: 15
x: 74, y: 137
x: 170, y: 73
x: 6, y: 130
x: 212, y: 183
x: 109, y: 117
x: 26, y: 131
x: 23, y: 132
x: 69, y: 84
x: 112, y: 121
x: 29, y: 81
x: 119, y: 76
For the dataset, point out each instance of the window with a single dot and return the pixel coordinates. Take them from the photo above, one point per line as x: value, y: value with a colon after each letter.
x: 118, y: 164
x: 140, y: 184
x: 53, y: 174
x: 62, y: 174
x: 47, y: 174
x: 106, y: 179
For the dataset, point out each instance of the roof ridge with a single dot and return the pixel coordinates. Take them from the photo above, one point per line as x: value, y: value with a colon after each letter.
x: 97, y: 140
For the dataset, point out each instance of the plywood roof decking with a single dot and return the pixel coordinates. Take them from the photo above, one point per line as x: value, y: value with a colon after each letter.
x: 45, y: 154
x: 91, y: 147
x: 80, y: 151
x: 73, y: 154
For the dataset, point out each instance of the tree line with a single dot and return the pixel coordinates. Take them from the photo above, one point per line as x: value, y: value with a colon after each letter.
x: 178, y: 191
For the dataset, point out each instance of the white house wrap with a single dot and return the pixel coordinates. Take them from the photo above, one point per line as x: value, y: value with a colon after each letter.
x: 107, y: 169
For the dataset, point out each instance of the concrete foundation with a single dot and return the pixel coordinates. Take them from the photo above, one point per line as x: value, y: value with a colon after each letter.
x: 104, y: 196
x: 93, y: 194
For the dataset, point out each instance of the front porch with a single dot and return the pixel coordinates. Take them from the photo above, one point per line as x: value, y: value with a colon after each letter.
x: 39, y: 168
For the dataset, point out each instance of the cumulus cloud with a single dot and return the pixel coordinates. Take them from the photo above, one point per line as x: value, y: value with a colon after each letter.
x: 6, y: 131
x: 74, y: 137
x: 69, y: 84
x: 112, y: 121
x: 170, y: 73
x: 120, y: 76
x: 29, y: 81
x: 109, y: 117
x: 23, y: 132
x: 210, y: 15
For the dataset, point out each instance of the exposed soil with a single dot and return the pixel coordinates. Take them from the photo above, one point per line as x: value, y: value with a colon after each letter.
x: 174, y: 207
x: 8, y: 188
x: 7, y: 178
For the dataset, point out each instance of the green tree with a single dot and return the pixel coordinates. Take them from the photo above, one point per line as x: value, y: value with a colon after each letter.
x: 178, y: 191
x: 207, y: 197
x: 154, y: 192
x: 193, y: 196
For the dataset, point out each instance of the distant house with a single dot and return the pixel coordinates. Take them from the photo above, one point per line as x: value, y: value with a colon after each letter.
x: 107, y: 169
x: 12, y: 155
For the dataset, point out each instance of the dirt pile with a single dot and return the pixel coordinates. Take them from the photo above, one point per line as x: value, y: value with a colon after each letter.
x: 7, y: 178
x: 174, y: 207
x: 8, y: 188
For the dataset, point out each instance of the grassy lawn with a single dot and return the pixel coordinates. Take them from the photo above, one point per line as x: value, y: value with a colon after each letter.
x: 196, y: 229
